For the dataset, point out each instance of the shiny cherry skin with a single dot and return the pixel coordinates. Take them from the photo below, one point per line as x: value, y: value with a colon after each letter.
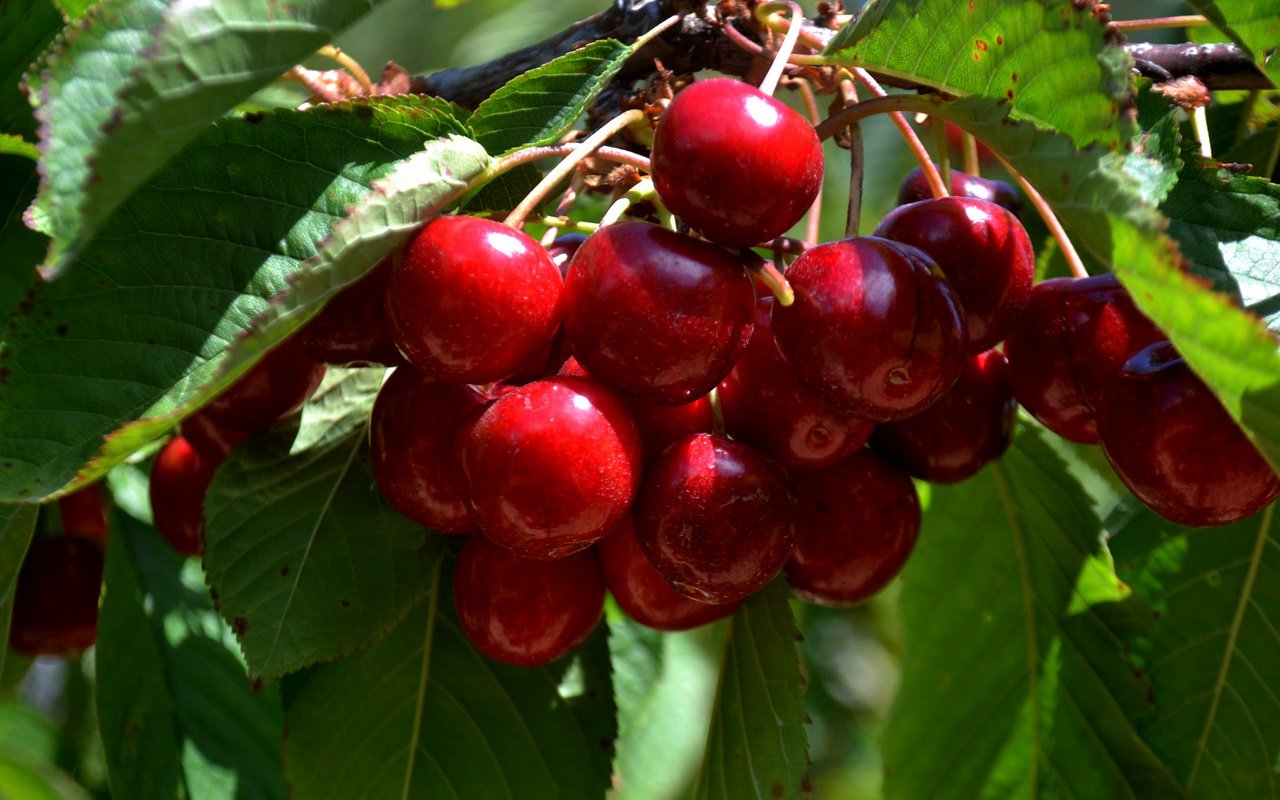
x: 548, y: 360
x: 562, y: 249
x: 472, y: 300
x: 766, y: 407
x: 657, y: 314
x: 551, y: 467
x: 970, y: 426
x: 915, y: 188
x: 1175, y: 446
x: 874, y: 330
x: 83, y: 513
x: 55, y: 607
x: 984, y: 252
x: 641, y: 591
x: 1074, y: 334
x: 413, y: 450
x: 180, y: 477
x: 856, y: 525
x: 352, y: 326
x: 521, y: 611
x: 715, y: 518
x: 737, y: 165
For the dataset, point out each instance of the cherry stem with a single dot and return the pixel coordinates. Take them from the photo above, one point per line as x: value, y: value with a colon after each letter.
x: 970, y: 153
x: 853, y: 216
x: 813, y: 223
x: 763, y: 12
x: 717, y: 412
x: 1069, y: 253
x: 654, y: 32
x: 943, y: 150
x: 567, y: 200
x: 931, y: 175
x: 641, y: 191
x: 559, y: 224
x: 590, y: 145
x: 1200, y: 121
x: 350, y: 65
x: 1157, y: 23
x: 768, y: 273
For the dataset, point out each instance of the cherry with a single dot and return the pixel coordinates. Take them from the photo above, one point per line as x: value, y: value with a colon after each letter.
x: 472, y: 300
x: 715, y: 518
x: 352, y: 326
x: 1062, y: 351
x: 549, y: 359
x: 856, y: 525
x: 413, y: 450
x: 984, y: 252
x: 1174, y: 445
x: 209, y: 437
x: 83, y: 514
x: 874, y: 330
x: 915, y: 187
x: 180, y: 477
x: 55, y: 606
x: 525, y: 612
x: 737, y: 165
x: 562, y: 249
x: 642, y: 592
x: 657, y: 314
x: 955, y: 437
x: 551, y: 467
x: 766, y: 407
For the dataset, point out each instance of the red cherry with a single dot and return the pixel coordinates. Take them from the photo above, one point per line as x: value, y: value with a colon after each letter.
x: 766, y: 407
x: 277, y: 385
x: 55, y: 606
x: 874, y: 329
x: 413, y: 450
x: 1175, y: 446
x: 562, y: 249
x: 551, y: 467
x: 180, y: 477
x: 984, y: 252
x: 642, y: 592
x: 525, y: 612
x: 856, y: 525
x: 657, y: 314
x: 209, y: 437
x: 83, y: 514
x: 1064, y: 348
x: 352, y: 327
x: 472, y: 300
x: 915, y: 188
x: 955, y: 437
x: 737, y: 165
x: 715, y: 518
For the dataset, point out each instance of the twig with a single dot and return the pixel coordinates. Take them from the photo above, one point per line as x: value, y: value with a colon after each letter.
x: 1158, y: 23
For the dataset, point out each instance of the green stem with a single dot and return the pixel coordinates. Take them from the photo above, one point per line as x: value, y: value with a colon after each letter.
x: 763, y: 12
x: 943, y: 150
x: 1158, y: 23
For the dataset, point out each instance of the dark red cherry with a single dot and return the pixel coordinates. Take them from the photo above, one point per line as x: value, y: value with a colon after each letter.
x: 874, y: 330
x: 715, y: 518
x: 642, y: 592
x: 548, y: 360
x: 915, y: 188
x: 955, y: 437
x: 984, y: 252
x: 472, y: 300
x: 209, y: 437
x: 766, y: 407
x: 551, y: 467
x: 525, y: 612
x: 412, y: 446
x: 737, y: 165
x: 1175, y: 446
x: 352, y: 327
x: 83, y: 513
x: 856, y: 524
x: 1062, y: 351
x: 562, y: 249
x: 180, y: 477
x: 55, y: 607
x: 657, y: 314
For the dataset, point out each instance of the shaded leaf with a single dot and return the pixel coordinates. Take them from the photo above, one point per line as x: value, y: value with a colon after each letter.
x: 1015, y: 681
x: 174, y: 706
x: 20, y: 780
x: 308, y: 560
x: 22, y: 247
x: 26, y: 27
x: 17, y: 524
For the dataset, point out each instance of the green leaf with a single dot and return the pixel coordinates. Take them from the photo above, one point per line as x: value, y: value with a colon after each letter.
x: 17, y: 524
x: 1229, y: 226
x: 174, y: 707
x: 308, y: 560
x: 757, y: 746
x: 1155, y: 158
x: 26, y: 27
x: 21, y: 246
x: 1014, y: 678
x: 1050, y: 61
x: 422, y: 714
x: 1213, y: 656
x: 136, y: 80
x: 665, y: 685
x: 1250, y: 24
x: 22, y: 781
x: 538, y: 107
x: 180, y: 273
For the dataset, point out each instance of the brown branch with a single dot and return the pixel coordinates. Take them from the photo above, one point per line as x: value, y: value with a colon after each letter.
x: 1217, y: 66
